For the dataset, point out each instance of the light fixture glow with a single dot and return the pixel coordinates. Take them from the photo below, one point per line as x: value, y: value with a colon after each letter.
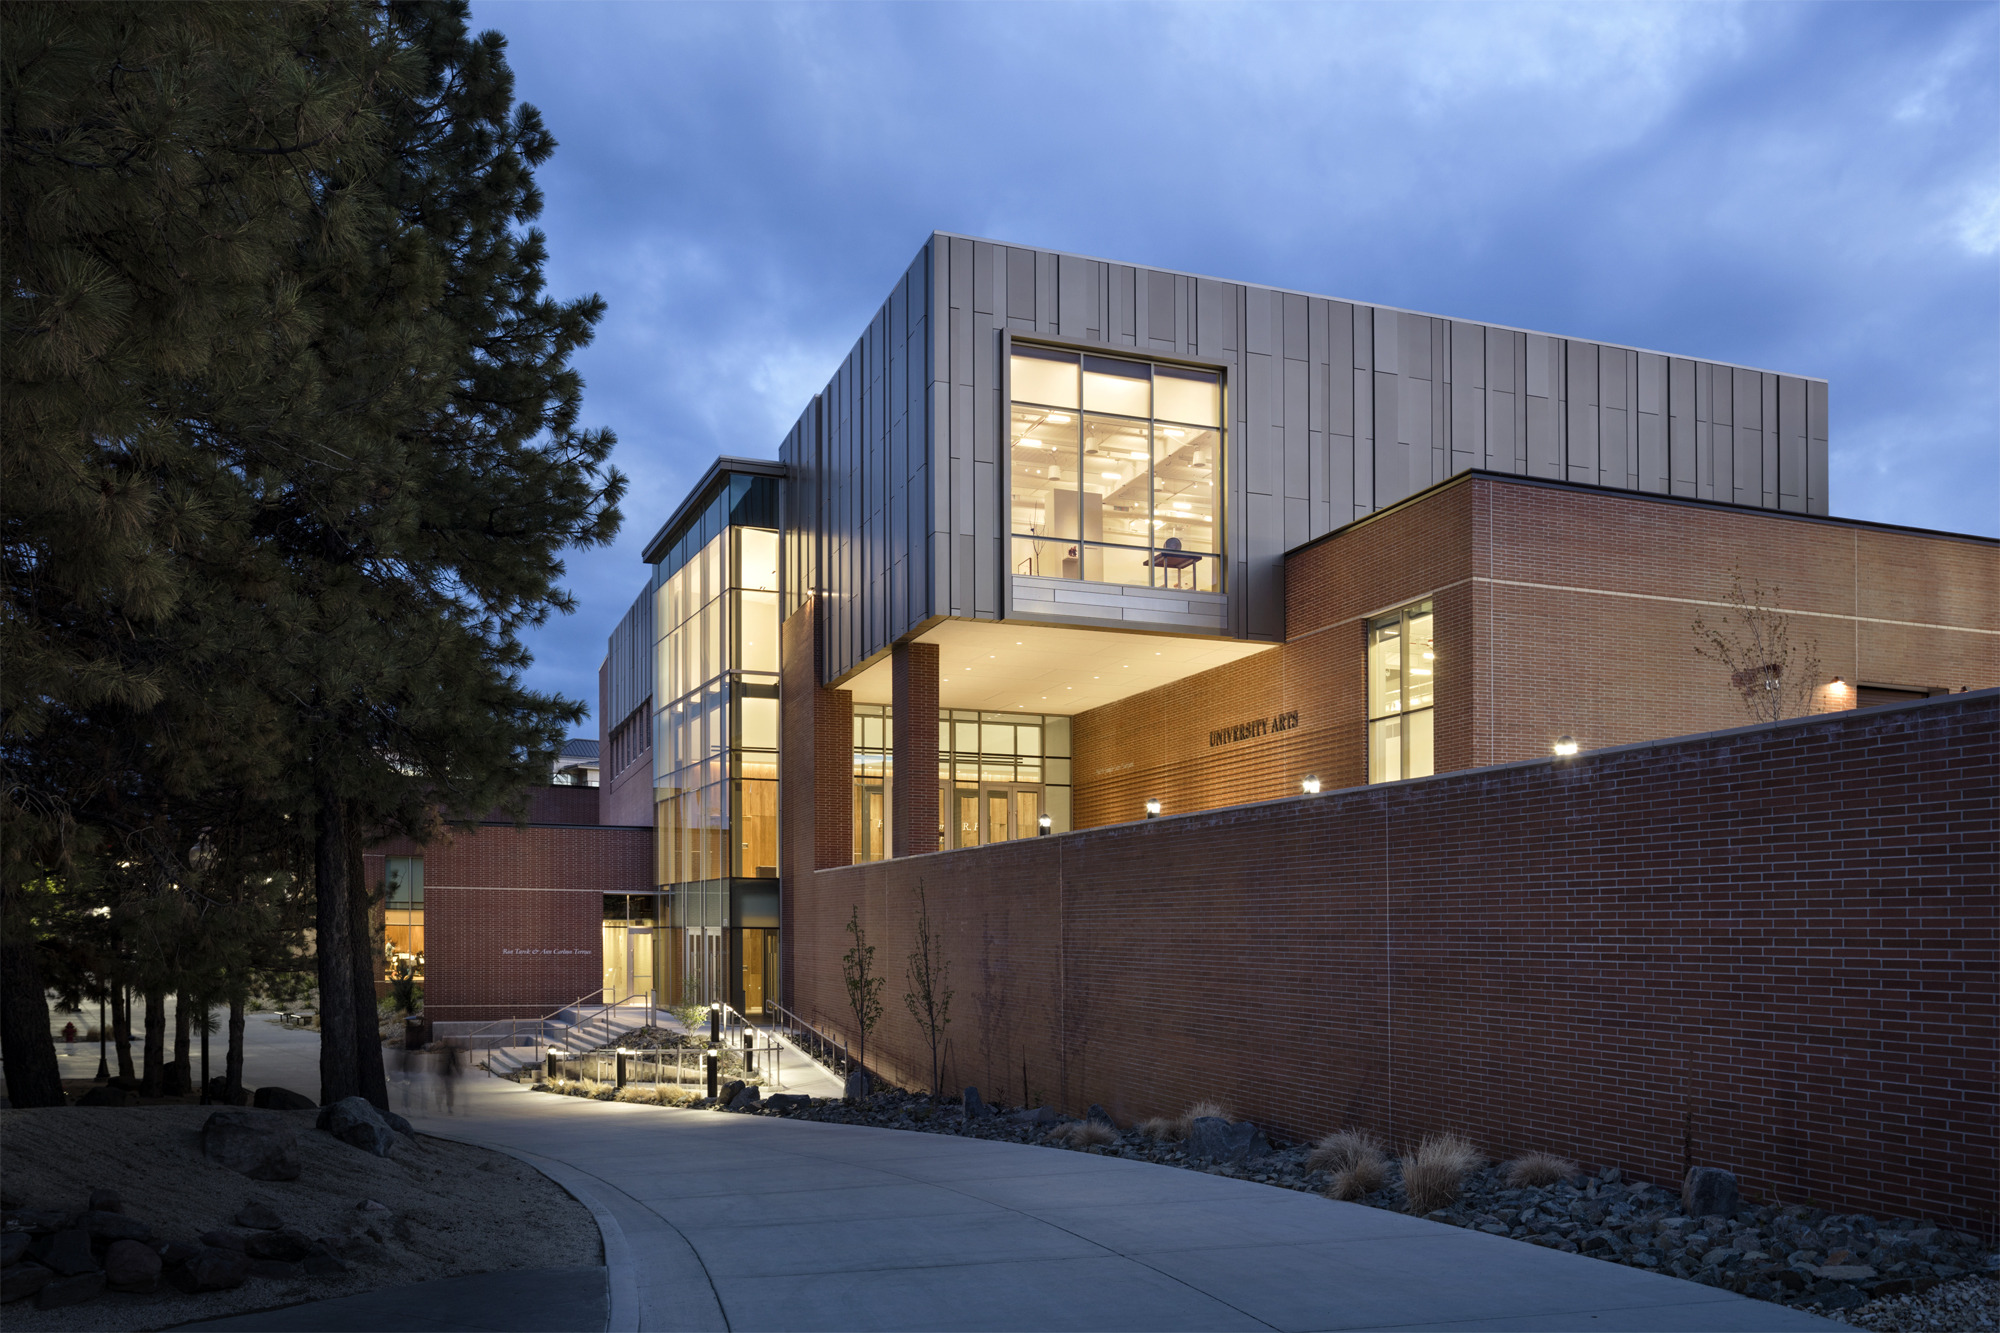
x: 1311, y: 784
x: 1839, y: 686
x: 1059, y: 418
x: 1152, y: 806
x: 1565, y: 746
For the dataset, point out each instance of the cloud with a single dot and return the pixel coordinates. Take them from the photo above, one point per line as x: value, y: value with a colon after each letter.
x: 1801, y: 187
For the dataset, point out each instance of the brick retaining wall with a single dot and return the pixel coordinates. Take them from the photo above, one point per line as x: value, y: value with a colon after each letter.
x: 1771, y: 949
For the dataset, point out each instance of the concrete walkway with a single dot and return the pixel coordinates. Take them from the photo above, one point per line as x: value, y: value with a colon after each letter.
x: 744, y: 1223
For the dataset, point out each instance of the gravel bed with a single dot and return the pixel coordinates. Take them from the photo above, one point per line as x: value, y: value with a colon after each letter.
x: 1887, y: 1274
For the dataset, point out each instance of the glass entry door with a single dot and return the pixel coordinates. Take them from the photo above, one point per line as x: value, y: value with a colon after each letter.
x: 639, y: 963
x: 991, y: 812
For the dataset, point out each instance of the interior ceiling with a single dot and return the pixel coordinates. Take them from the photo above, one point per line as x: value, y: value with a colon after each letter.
x: 1010, y: 667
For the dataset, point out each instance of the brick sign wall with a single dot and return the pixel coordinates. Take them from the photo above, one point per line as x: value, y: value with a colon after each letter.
x: 1771, y: 949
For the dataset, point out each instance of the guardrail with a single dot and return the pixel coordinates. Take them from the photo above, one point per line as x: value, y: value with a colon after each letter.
x: 828, y: 1048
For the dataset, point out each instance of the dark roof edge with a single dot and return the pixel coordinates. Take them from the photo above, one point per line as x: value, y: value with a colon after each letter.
x: 1550, y: 483
x: 1383, y: 305
x: 699, y: 494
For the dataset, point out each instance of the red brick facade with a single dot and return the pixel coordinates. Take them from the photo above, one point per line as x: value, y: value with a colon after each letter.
x: 1771, y: 949
x: 913, y: 824
x: 1559, y: 611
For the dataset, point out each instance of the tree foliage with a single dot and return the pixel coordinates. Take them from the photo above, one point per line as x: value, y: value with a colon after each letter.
x: 864, y: 988
x: 1752, y: 639
x: 929, y: 997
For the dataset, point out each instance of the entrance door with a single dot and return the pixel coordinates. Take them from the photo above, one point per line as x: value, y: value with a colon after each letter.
x: 639, y: 962
x: 754, y: 960
x: 968, y: 817
x: 998, y: 809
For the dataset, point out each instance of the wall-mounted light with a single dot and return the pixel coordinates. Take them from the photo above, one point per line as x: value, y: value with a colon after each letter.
x: 1311, y: 784
x: 1565, y: 746
x: 1046, y: 823
x: 1839, y: 686
x: 1152, y: 806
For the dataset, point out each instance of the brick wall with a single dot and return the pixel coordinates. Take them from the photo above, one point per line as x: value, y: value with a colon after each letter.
x: 1777, y: 942
x: 1560, y: 610
x: 913, y: 824
x: 513, y: 917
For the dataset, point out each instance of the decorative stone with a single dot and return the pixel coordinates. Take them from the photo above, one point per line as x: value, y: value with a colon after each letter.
x: 225, y: 1240
x: 397, y: 1123
x: 323, y: 1262
x: 105, y: 1201
x: 1040, y: 1115
x: 62, y: 1291
x: 726, y: 1091
x: 258, y: 1216
x: 1709, y: 1191
x: 1097, y: 1115
x: 252, y: 1143
x: 115, y: 1226
x: 856, y: 1087
x: 746, y: 1098
x: 1845, y: 1272
x: 282, y: 1099
x: 213, y: 1270
x: 356, y: 1122
x: 131, y: 1266
x: 20, y: 1280
x: 784, y: 1103
x: 13, y: 1248
x: 39, y: 1221
x: 975, y: 1108
x: 371, y: 1206
x: 67, y: 1252
x: 1215, y: 1139
x: 177, y: 1252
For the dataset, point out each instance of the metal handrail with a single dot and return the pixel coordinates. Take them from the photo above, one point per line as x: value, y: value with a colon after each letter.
x: 538, y: 1038
x: 829, y: 1049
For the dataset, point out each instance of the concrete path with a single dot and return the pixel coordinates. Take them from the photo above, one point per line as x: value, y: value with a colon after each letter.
x: 744, y: 1223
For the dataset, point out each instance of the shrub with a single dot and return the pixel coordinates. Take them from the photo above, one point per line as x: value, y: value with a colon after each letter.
x: 677, y: 1096
x: 1083, y: 1134
x: 1159, y: 1127
x: 1343, y: 1150
x: 1539, y: 1168
x: 1360, y: 1180
x: 1199, y: 1111
x: 1434, y: 1170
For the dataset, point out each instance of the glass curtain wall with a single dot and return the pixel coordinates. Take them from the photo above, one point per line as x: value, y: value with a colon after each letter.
x: 874, y: 780
x: 403, y: 917
x: 1402, y: 694
x: 998, y: 774
x: 1116, y: 470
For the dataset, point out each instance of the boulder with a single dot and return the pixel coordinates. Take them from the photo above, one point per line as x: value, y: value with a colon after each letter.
x: 1709, y: 1191
x: 39, y: 1221
x: 277, y: 1268
x: 1215, y: 1139
x: 105, y: 1201
x: 226, y: 1240
x: 212, y: 1270
x: 371, y: 1206
x: 61, y: 1291
x: 397, y: 1123
x: 287, y: 1246
x: 975, y: 1107
x: 256, y: 1144
x: 784, y: 1103
x: 108, y: 1096
x: 131, y: 1266
x: 1040, y: 1115
x: 258, y: 1216
x: 1097, y: 1115
x: 19, y: 1280
x: 323, y: 1262
x: 13, y: 1248
x: 356, y: 1122
x: 115, y: 1226
x: 856, y: 1087
x: 282, y: 1099
x: 67, y: 1252
x: 726, y: 1094
x: 746, y: 1098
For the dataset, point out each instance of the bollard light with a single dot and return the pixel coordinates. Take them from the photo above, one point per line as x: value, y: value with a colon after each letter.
x: 714, y: 1062
x: 1565, y: 746
x: 1311, y: 784
x: 1152, y: 806
x: 715, y: 1022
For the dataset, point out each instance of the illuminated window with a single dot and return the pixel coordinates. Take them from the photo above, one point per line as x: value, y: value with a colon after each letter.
x: 403, y: 918
x: 1116, y: 468
x: 1402, y: 694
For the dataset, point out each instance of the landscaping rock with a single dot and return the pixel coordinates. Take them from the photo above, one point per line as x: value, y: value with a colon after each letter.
x: 1215, y: 1139
x: 67, y: 1252
x: 1040, y: 1115
x: 370, y: 1206
x: 784, y: 1103
x: 115, y: 1226
x: 254, y: 1144
x: 276, y: 1268
x: 258, y: 1216
x: 19, y: 1280
x: 13, y: 1248
x: 105, y: 1201
x: 212, y: 1270
x: 323, y: 1262
x: 1097, y: 1115
x: 725, y: 1095
x: 856, y: 1087
x: 131, y: 1266
x: 108, y: 1096
x: 62, y: 1291
x: 39, y: 1221
x: 226, y: 1240
x: 746, y: 1099
x: 1709, y: 1191
x: 356, y: 1122
x: 177, y: 1252
x: 975, y: 1108
x: 282, y: 1099
x: 397, y: 1123
x: 288, y: 1246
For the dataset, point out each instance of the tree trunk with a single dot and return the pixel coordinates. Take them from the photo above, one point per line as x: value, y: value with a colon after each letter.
x: 155, y: 1056
x: 121, y: 1029
x: 205, y: 1097
x: 232, y: 1063
x: 26, y: 1044
x: 334, y: 954
x: 179, y: 1080
x: 367, y: 1029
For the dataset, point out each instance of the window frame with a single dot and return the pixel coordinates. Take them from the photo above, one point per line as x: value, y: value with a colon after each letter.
x: 1401, y: 616
x: 1223, y: 471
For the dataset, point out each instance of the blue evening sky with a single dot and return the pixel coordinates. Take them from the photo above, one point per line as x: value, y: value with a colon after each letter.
x: 1813, y: 189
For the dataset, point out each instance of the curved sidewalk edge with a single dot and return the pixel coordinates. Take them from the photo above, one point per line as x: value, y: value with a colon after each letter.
x: 521, y: 1300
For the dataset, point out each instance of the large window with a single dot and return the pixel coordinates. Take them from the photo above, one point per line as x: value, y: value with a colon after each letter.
x: 1116, y: 470
x: 1402, y: 694
x: 998, y: 774
x: 403, y: 917
x: 874, y: 776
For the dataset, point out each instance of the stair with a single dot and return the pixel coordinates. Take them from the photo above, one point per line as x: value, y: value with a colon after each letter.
x: 580, y: 1029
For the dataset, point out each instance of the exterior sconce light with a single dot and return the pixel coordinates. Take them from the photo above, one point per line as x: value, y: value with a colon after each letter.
x: 1839, y: 686
x: 1565, y: 746
x: 1311, y: 785
x: 1152, y: 806
x: 1045, y: 823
